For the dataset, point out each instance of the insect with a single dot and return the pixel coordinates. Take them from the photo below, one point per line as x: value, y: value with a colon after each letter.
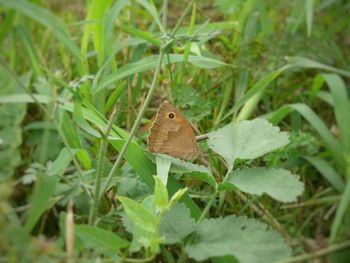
x: 172, y: 134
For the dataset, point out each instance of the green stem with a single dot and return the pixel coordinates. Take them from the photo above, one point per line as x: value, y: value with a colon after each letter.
x: 100, y: 166
x: 138, y: 119
x: 207, y: 207
x: 139, y: 260
x: 165, y: 14
x: 182, y: 256
x: 322, y: 252
x: 178, y: 24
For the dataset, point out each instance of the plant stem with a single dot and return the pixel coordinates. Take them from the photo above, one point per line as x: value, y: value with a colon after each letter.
x: 138, y: 260
x: 182, y: 256
x: 317, y: 254
x: 207, y: 207
x: 100, y: 166
x: 202, y: 137
x: 179, y: 22
x: 144, y: 106
x: 138, y: 119
x: 165, y: 14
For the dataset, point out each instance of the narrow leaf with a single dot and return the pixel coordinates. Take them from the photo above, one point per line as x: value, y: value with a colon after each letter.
x: 160, y: 193
x: 40, y: 200
x: 99, y: 238
x: 328, y: 172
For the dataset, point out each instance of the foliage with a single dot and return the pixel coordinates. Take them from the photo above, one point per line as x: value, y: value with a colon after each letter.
x: 265, y: 82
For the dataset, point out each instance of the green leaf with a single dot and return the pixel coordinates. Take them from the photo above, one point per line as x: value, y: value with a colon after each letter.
x: 24, y: 98
x: 280, y: 184
x: 309, y: 63
x: 246, y: 239
x: 329, y: 140
x: 177, y: 196
x: 98, y: 238
x: 163, y: 167
x: 341, y: 103
x: 139, y: 214
x: 151, y: 62
x: 96, y: 11
x: 257, y: 89
x: 154, y: 13
x: 43, y: 192
x: 176, y: 224
x: 194, y: 170
x: 160, y: 193
x: 47, y: 186
x: 71, y: 134
x: 46, y: 18
x: 62, y: 161
x: 343, y: 207
x: 10, y: 137
x: 246, y: 140
x: 135, y: 155
x: 309, y: 8
x: 328, y: 172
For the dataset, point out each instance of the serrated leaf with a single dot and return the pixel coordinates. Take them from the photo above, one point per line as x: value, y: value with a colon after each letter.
x: 198, y: 171
x: 280, y: 184
x: 160, y: 193
x: 246, y: 239
x: 246, y: 140
x: 98, y: 238
x: 176, y: 224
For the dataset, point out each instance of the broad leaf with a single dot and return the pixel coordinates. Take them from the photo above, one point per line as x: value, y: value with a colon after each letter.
x: 246, y: 140
x: 247, y: 239
x: 176, y: 224
x: 280, y: 184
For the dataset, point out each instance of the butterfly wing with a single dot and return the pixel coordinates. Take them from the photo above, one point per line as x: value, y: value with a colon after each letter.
x: 172, y: 134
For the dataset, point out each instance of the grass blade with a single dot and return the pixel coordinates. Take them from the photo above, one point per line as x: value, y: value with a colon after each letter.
x: 151, y: 62
x: 309, y: 9
x: 342, y: 209
x: 258, y: 87
x: 321, y: 128
x: 309, y: 63
x: 341, y: 104
x: 328, y: 172
x: 44, y: 17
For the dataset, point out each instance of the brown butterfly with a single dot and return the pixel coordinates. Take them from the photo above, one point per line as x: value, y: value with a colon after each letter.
x: 172, y: 134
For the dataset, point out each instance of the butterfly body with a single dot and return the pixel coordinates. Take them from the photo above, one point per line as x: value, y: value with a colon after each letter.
x: 172, y: 134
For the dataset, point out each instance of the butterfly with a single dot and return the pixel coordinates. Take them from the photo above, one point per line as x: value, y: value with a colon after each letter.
x: 172, y: 134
